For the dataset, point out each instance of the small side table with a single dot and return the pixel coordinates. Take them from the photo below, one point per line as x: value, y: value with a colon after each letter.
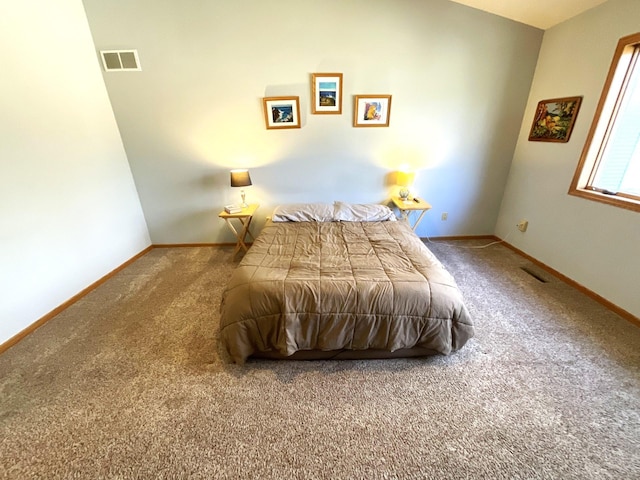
x: 406, y: 207
x: 244, y: 217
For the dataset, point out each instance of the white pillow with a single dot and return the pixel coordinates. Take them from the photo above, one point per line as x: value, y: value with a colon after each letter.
x: 303, y: 212
x: 362, y: 212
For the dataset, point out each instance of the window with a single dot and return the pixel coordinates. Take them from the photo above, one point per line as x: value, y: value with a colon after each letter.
x: 609, y: 167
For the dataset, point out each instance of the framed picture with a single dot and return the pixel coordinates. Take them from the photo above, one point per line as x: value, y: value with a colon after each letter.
x: 371, y: 110
x: 326, y: 93
x: 282, y: 112
x: 554, y: 119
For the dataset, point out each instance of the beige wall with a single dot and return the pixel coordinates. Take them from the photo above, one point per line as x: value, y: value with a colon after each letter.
x: 69, y: 210
x: 595, y: 244
x: 459, y: 79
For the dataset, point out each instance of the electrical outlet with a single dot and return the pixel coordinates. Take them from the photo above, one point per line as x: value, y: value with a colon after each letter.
x: 445, y: 215
x: 522, y: 225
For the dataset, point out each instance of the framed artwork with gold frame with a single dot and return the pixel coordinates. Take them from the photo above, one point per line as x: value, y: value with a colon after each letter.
x: 281, y: 112
x: 554, y: 119
x: 371, y: 110
x: 326, y: 93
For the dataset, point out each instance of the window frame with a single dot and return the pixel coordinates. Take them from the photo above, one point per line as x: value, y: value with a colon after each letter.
x: 595, y: 139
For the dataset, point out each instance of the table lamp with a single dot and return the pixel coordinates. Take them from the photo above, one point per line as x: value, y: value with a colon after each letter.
x: 241, y: 178
x: 404, y: 179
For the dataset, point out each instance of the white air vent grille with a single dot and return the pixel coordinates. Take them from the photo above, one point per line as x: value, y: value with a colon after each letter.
x: 120, y: 60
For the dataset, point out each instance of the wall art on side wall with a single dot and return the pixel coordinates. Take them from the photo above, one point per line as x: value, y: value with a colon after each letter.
x: 326, y: 93
x: 281, y: 112
x: 371, y: 110
x: 554, y: 119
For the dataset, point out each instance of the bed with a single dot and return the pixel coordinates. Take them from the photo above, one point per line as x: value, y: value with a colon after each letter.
x: 340, y: 281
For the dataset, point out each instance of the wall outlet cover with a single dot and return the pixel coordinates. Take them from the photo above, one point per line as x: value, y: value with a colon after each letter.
x: 522, y: 225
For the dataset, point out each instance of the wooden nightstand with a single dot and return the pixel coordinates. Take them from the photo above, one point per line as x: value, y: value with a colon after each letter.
x: 406, y: 207
x: 245, y: 216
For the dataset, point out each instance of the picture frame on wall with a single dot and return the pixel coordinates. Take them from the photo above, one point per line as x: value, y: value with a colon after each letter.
x: 371, y: 110
x: 554, y: 119
x: 326, y: 93
x: 281, y: 112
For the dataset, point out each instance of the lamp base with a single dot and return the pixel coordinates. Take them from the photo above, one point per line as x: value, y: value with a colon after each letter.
x: 404, y: 193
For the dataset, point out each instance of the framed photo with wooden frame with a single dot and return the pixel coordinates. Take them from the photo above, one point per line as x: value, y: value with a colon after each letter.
x: 281, y: 112
x: 554, y: 119
x: 326, y: 93
x: 371, y: 110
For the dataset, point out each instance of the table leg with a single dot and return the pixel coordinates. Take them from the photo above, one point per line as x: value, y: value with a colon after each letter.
x: 245, y: 231
x: 242, y: 234
x: 415, y: 225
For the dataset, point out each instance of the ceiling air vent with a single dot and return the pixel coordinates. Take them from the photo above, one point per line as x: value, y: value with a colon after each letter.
x: 120, y: 60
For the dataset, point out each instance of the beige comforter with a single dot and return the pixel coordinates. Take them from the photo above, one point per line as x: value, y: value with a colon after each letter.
x: 341, y: 285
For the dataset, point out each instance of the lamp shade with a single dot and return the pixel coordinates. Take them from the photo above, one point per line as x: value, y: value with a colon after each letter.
x: 240, y: 178
x: 405, y: 179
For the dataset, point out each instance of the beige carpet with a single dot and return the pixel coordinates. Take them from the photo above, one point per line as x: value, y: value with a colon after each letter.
x: 129, y: 383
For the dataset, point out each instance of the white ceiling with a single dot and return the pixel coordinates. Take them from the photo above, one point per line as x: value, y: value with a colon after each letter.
x: 537, y: 13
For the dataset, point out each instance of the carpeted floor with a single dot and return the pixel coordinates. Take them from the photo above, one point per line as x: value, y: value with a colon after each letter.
x: 129, y: 383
